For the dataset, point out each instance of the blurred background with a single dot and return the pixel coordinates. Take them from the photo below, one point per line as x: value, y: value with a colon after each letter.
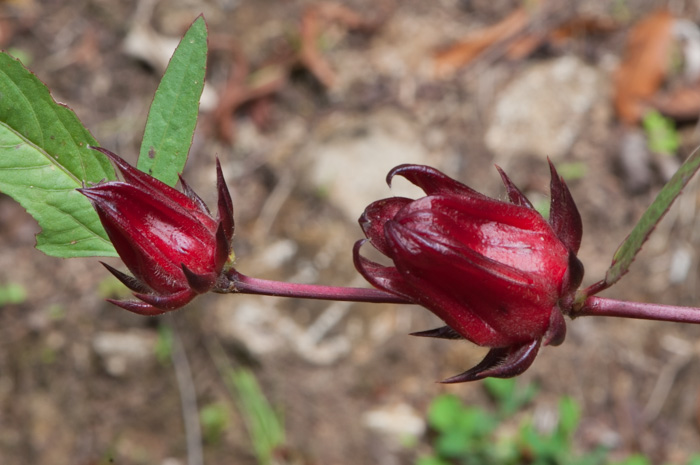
x: 308, y: 105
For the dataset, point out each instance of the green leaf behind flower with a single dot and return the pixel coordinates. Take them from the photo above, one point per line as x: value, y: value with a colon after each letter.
x: 44, y: 157
x: 625, y: 254
x: 173, y: 114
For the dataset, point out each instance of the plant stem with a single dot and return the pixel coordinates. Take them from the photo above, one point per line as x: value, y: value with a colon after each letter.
x: 600, y: 286
x: 243, y: 284
x: 600, y: 306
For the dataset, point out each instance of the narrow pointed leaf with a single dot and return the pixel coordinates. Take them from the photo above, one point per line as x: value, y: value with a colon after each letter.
x: 44, y: 157
x: 626, y: 253
x: 173, y: 114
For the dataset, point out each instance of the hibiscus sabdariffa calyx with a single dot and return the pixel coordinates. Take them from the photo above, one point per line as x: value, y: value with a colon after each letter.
x: 497, y: 273
x: 171, y: 243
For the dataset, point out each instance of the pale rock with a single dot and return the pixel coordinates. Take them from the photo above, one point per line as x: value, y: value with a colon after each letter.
x: 350, y: 155
x: 277, y: 254
x: 265, y: 329
x: 542, y: 111
x: 120, y: 351
x: 398, y: 420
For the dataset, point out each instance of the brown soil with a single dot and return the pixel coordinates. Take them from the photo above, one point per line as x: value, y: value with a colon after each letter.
x: 61, y: 402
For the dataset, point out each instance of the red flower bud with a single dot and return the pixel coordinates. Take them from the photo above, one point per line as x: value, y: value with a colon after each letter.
x: 170, y: 242
x: 497, y: 273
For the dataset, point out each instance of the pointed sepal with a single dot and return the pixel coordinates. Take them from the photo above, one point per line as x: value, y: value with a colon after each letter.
x: 170, y: 301
x: 515, y: 195
x: 443, y: 332
x: 556, y: 333
x: 199, y: 283
x: 130, y: 282
x: 225, y: 204
x: 502, y: 362
x: 140, y: 308
x: 432, y: 181
x: 563, y: 214
x: 193, y: 196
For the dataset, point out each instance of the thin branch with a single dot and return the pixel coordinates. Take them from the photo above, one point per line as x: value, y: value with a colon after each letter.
x: 243, y: 284
x: 600, y: 306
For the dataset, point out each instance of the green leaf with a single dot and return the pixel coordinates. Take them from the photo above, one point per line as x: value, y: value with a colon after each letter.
x: 508, y: 395
x: 569, y: 416
x: 12, y: 293
x: 444, y: 412
x: 500, y: 388
x: 453, y: 444
x: 264, y: 424
x: 661, y: 133
x: 476, y: 423
x: 214, y: 419
x: 624, y: 256
x: 173, y: 114
x: 44, y: 157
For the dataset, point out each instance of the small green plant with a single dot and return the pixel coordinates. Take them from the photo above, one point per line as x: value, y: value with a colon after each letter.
x: 471, y: 435
x: 509, y: 397
x: 12, y: 293
x: 661, y: 133
x: 214, y: 419
x: 476, y: 436
x: 264, y: 424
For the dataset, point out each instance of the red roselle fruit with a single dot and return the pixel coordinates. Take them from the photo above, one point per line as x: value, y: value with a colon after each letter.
x: 497, y: 273
x: 169, y: 240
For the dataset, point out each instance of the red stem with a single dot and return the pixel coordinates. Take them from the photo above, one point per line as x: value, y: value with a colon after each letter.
x: 596, y: 288
x: 592, y: 306
x: 243, y: 284
x: 600, y: 306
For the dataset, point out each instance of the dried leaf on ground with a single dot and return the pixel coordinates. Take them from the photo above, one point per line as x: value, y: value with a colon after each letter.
x: 519, y: 39
x: 461, y: 53
x: 313, y: 22
x: 644, y: 66
x: 682, y: 104
x: 580, y: 26
x: 244, y: 87
x: 255, y: 88
x: 558, y: 36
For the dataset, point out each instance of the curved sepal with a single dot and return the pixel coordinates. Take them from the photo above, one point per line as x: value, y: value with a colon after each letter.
x: 573, y: 279
x: 223, y: 247
x: 189, y: 192
x: 376, y: 215
x: 140, y: 308
x: 443, y: 332
x: 170, y: 301
x: 225, y: 204
x: 515, y: 195
x: 503, y: 362
x: 556, y: 333
x: 563, y: 214
x: 432, y: 181
x: 199, y: 283
x: 130, y: 282
x: 386, y: 278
